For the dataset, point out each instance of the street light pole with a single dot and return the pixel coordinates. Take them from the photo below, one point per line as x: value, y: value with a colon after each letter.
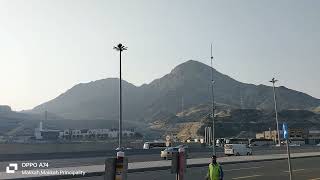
x: 120, y: 48
x: 213, y: 109
x: 273, y: 81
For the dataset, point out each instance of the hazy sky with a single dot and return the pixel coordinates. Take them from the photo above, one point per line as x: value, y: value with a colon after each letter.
x: 47, y: 46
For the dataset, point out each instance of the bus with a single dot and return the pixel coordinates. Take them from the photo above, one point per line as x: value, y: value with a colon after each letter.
x: 237, y: 141
x: 261, y: 142
x: 237, y: 150
x: 154, y: 145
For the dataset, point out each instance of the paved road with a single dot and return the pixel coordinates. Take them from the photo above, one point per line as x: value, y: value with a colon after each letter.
x: 304, y: 169
x: 73, y: 162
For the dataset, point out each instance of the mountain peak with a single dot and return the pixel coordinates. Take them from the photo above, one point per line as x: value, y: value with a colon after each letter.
x: 194, y: 68
x: 189, y: 65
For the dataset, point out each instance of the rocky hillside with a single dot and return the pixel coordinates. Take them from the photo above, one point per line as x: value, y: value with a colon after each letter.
x: 249, y: 121
x: 235, y: 122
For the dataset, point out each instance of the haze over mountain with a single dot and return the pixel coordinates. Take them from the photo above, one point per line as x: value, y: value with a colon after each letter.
x: 187, y: 85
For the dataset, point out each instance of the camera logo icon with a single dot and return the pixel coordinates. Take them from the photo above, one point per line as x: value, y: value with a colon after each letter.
x: 12, y: 168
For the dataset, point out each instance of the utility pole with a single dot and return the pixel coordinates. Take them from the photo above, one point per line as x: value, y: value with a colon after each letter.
x: 289, y: 159
x: 286, y: 137
x: 120, y: 48
x: 213, y: 108
x: 273, y: 81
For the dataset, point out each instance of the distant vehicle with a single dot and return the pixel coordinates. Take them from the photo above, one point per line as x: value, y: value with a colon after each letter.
x: 236, y: 141
x: 154, y: 145
x: 318, y: 144
x: 168, y: 152
x: 237, y: 149
x: 260, y: 142
x: 191, y: 141
x: 220, y: 142
x: 127, y: 148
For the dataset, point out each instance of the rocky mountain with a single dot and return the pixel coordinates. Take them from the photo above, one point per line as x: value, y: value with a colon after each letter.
x: 186, y: 86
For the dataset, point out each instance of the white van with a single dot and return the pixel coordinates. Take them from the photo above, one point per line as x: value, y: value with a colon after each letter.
x: 154, y: 145
x: 237, y: 149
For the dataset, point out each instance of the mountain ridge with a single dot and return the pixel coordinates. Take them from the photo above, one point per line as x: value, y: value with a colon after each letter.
x: 187, y: 85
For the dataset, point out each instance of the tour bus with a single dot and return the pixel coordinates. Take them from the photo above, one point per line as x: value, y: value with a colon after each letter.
x: 261, y: 142
x: 154, y: 145
x: 237, y: 149
x: 236, y: 141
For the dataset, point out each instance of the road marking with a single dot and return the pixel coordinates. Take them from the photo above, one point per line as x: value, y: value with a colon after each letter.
x: 315, y: 179
x: 245, y: 177
x: 296, y: 170
x: 243, y: 169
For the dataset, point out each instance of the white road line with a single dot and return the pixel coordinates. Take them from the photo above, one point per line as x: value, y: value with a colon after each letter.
x: 227, y: 170
x: 315, y: 179
x: 245, y: 177
x: 296, y: 170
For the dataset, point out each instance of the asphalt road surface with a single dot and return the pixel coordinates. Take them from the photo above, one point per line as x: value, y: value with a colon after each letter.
x: 303, y: 169
x: 73, y: 162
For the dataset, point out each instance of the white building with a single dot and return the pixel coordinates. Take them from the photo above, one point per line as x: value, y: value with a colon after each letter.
x: 94, y: 133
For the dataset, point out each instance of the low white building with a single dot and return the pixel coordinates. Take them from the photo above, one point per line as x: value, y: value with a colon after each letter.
x: 94, y: 133
x: 41, y: 133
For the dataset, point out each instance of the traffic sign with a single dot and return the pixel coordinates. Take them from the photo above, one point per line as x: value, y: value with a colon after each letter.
x: 285, y: 131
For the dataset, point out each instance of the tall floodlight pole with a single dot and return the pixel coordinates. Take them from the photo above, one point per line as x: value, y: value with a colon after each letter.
x: 213, y: 108
x: 120, y: 48
x: 273, y: 81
